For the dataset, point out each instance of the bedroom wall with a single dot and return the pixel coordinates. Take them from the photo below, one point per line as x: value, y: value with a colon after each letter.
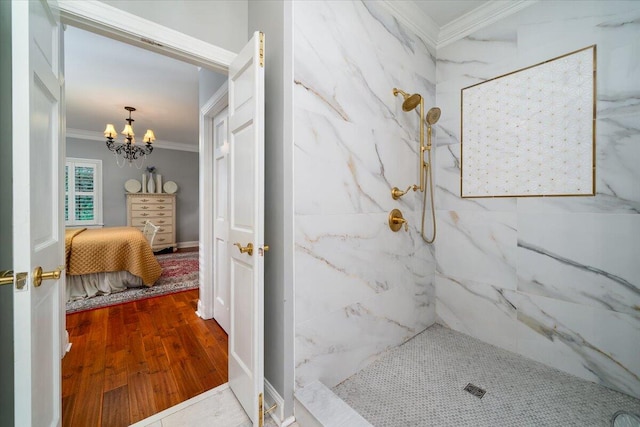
x: 222, y: 22
x: 6, y: 239
x: 208, y: 83
x: 178, y: 166
x: 555, y: 279
x: 360, y: 288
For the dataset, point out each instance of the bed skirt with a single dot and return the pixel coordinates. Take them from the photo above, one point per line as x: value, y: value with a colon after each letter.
x: 89, y: 285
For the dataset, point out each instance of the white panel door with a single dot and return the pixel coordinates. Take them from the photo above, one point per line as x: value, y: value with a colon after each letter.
x: 38, y: 234
x: 221, y: 286
x: 246, y: 227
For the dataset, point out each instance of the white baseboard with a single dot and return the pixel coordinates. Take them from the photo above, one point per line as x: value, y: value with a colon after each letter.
x: 202, y: 313
x: 271, y: 397
x: 193, y: 244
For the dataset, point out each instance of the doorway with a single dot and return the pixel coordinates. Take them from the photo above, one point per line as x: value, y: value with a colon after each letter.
x: 139, y: 343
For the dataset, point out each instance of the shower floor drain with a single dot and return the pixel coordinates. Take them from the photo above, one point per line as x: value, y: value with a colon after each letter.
x: 475, y: 390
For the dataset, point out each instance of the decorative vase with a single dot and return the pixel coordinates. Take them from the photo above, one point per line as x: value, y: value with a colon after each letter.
x: 144, y: 182
x: 151, y: 184
x: 159, y: 183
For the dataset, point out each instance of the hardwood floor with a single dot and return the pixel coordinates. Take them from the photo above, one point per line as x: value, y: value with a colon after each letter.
x: 133, y: 360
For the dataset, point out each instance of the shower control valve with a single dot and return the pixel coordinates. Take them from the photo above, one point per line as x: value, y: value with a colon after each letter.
x: 396, y: 220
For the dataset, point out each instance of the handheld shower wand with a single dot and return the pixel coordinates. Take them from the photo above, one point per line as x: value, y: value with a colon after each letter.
x: 433, y: 115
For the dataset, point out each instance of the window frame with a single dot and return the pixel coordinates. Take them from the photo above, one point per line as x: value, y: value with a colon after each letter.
x: 70, y: 192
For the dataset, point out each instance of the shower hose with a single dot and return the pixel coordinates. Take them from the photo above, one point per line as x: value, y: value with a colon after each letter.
x: 428, y: 177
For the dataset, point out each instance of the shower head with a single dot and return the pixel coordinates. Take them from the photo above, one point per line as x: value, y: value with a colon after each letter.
x: 410, y: 101
x: 433, y: 115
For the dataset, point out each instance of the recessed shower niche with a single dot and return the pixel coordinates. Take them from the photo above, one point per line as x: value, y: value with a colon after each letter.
x: 531, y: 132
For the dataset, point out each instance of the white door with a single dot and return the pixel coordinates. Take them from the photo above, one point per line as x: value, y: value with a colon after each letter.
x: 221, y: 288
x: 38, y: 234
x: 246, y: 227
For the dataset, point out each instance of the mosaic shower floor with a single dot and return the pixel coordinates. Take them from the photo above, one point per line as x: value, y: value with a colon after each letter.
x: 421, y: 384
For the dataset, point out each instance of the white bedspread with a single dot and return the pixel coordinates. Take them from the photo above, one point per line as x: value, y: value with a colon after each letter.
x: 90, y: 285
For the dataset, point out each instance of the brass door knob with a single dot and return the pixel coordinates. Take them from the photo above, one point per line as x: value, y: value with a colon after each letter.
x: 6, y: 277
x: 396, y: 220
x: 245, y: 249
x: 39, y: 276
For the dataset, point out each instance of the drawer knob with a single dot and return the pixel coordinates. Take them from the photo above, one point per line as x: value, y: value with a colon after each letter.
x: 144, y: 214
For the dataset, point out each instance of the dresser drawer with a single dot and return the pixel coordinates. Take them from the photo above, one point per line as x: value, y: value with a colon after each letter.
x: 165, y: 229
x: 155, y: 207
x: 151, y: 214
x: 149, y: 200
x: 163, y: 239
x: 139, y: 220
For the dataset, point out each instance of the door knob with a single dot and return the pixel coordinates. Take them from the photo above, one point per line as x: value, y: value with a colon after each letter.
x: 245, y: 249
x: 6, y: 277
x: 39, y: 276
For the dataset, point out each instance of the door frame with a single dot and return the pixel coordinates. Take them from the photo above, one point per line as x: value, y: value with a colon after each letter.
x: 123, y: 26
x: 217, y: 103
x: 120, y: 25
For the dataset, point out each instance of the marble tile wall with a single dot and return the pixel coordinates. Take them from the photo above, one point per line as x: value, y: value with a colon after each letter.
x: 360, y: 288
x: 554, y: 279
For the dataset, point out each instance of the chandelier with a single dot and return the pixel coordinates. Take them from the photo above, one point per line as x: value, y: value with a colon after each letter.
x: 127, y: 150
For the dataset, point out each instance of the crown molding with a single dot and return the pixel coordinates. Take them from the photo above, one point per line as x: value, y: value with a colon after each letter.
x: 88, y: 135
x: 412, y: 16
x: 479, y: 18
x: 409, y: 14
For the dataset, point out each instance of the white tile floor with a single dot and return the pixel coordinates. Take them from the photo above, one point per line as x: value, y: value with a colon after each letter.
x: 215, y: 408
x: 421, y: 384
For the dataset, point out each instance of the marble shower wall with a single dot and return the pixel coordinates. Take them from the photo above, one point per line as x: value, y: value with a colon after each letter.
x: 360, y: 288
x: 554, y: 279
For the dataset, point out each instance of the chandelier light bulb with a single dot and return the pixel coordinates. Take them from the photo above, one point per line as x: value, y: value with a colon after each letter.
x: 149, y: 137
x: 110, y: 131
x: 128, y: 130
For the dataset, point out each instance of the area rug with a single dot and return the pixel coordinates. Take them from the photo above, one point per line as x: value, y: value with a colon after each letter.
x: 179, y: 273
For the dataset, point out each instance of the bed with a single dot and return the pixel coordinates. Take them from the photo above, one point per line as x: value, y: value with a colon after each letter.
x: 102, y: 261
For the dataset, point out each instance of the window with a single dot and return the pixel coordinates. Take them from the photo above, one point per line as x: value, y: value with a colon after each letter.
x: 83, y: 192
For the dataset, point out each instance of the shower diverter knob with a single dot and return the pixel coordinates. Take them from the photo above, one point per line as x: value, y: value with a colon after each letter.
x: 396, y: 220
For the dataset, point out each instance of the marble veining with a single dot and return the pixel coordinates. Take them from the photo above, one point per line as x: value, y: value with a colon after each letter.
x: 617, y: 367
x: 360, y: 288
x: 589, y: 269
x: 571, y: 268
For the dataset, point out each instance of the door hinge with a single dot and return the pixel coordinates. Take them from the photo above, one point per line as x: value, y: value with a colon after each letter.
x: 261, y: 411
x: 261, y: 49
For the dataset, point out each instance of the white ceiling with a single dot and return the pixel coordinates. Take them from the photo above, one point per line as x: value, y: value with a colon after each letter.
x: 445, y: 11
x: 102, y: 76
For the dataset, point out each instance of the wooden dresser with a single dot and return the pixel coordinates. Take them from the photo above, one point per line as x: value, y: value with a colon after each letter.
x: 160, y: 209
